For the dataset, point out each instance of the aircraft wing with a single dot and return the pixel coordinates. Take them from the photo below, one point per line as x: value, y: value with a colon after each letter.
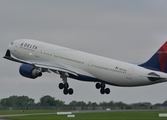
x: 61, y: 68
x: 50, y: 66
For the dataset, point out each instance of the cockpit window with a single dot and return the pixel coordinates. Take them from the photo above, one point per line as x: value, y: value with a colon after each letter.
x: 12, y: 43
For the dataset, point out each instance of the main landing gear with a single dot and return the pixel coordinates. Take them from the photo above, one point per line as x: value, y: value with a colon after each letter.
x: 66, y: 90
x: 102, y: 88
x: 65, y: 85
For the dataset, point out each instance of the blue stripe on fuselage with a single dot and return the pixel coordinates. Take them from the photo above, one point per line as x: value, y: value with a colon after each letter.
x: 90, y: 79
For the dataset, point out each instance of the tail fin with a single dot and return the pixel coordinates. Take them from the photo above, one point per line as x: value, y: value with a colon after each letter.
x: 158, y: 61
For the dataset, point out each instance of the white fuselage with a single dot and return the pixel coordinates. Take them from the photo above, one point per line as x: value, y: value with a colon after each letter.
x: 107, y: 70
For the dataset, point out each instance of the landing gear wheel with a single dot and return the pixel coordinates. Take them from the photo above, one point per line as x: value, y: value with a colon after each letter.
x: 102, y: 88
x: 70, y: 91
x: 61, y: 86
x: 65, y: 91
x: 107, y: 91
x: 102, y: 91
x: 98, y: 85
x: 103, y: 85
x: 66, y: 85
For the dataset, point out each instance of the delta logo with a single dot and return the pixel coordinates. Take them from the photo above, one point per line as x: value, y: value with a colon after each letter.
x: 29, y: 46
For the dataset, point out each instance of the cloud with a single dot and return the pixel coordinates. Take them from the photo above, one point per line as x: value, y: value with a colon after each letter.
x: 125, y: 30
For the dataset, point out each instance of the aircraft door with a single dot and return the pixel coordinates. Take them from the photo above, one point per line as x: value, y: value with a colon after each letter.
x: 15, y: 46
x: 129, y: 74
x: 38, y: 52
x: 89, y: 65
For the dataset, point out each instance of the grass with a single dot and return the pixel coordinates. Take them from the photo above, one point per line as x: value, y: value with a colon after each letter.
x: 123, y: 115
x: 6, y: 112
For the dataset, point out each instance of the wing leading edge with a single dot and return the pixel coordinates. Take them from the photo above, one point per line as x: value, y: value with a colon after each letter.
x: 47, y: 67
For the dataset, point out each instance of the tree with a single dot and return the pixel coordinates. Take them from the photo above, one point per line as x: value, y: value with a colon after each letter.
x: 92, y: 103
x: 164, y: 103
x: 4, y: 102
x: 18, y: 101
x: 59, y: 103
x: 50, y: 101
x: 89, y: 103
x: 73, y: 103
x: 11, y: 101
x: 119, y: 104
x: 104, y: 104
x: 111, y: 103
x: 47, y: 101
x: 24, y: 101
x: 81, y: 103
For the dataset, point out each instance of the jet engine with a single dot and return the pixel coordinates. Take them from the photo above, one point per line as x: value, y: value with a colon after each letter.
x: 29, y: 71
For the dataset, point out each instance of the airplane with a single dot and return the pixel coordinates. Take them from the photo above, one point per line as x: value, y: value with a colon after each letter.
x: 38, y: 57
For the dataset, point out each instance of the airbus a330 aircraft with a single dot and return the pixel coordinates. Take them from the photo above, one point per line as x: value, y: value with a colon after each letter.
x: 38, y: 57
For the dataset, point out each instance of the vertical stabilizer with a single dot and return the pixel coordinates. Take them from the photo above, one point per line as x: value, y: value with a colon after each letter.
x: 158, y: 61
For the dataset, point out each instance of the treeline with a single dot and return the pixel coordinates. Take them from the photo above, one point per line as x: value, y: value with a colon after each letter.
x: 22, y: 101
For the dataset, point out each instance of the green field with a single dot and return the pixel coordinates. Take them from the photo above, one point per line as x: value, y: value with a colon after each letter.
x: 6, y: 112
x: 119, y: 115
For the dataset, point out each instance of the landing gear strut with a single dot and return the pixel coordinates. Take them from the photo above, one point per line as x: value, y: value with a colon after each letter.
x: 102, y: 88
x: 65, y: 85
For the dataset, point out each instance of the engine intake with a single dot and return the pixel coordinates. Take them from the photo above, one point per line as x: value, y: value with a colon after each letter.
x: 29, y: 71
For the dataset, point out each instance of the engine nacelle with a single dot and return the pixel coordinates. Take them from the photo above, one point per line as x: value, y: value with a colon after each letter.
x: 29, y: 71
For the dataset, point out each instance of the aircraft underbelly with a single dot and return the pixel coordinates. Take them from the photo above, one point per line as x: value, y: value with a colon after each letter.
x: 122, y: 79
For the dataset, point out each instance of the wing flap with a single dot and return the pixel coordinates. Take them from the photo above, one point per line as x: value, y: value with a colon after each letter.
x: 55, y: 69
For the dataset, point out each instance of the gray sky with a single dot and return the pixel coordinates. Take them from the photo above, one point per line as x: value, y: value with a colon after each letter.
x: 127, y: 30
